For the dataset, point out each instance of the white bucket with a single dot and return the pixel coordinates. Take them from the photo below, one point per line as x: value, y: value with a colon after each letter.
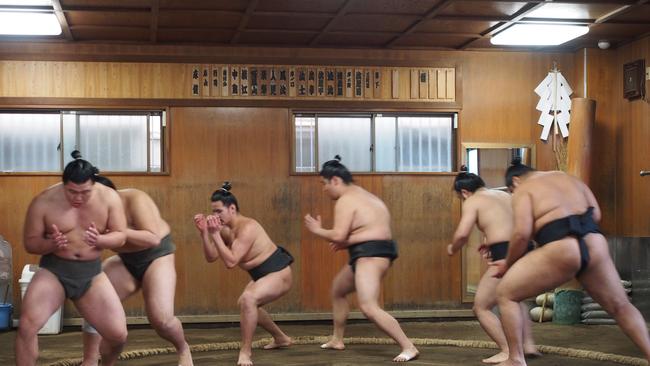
x: 53, y: 324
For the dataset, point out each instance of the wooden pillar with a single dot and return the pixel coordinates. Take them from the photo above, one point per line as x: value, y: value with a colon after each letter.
x: 579, y: 149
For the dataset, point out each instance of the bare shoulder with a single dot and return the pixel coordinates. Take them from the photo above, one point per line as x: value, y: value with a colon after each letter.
x: 134, y: 194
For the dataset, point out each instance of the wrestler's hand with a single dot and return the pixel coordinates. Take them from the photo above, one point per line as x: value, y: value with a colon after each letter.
x: 501, y: 267
x: 200, y: 223
x: 484, y: 250
x: 337, y: 246
x: 91, y: 236
x: 59, y: 238
x: 213, y: 223
x: 313, y: 224
x: 450, y: 249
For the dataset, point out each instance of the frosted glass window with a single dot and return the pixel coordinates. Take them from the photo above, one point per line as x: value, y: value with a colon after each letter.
x: 114, y: 142
x: 385, y: 144
x: 424, y: 144
x: 30, y: 142
x: 42, y: 142
x: 305, y: 128
x: 348, y: 137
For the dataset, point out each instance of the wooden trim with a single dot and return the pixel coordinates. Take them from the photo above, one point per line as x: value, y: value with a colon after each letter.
x: 244, y: 20
x: 365, y: 105
x: 430, y: 14
x: 155, y: 10
x: 58, y: 11
x: 329, y: 24
x: 287, y: 317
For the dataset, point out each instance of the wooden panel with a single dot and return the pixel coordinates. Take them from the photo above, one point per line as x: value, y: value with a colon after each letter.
x: 251, y: 147
x: 632, y: 126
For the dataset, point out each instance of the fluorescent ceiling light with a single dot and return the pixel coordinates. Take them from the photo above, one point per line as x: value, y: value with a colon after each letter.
x: 538, y: 34
x: 26, y: 2
x: 29, y: 24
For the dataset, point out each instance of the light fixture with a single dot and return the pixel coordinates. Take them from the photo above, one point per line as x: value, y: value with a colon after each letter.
x: 538, y: 34
x: 29, y: 24
x: 26, y: 3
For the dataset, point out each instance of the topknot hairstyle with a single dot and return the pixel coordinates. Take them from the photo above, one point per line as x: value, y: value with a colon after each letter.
x: 223, y: 194
x: 467, y: 181
x: 516, y: 169
x: 79, y: 171
x: 334, y: 168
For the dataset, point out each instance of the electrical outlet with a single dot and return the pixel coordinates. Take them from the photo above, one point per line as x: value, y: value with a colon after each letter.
x: 647, y: 73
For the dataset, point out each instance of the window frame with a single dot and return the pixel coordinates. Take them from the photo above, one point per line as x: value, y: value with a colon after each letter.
x: 165, y: 135
x: 454, y: 114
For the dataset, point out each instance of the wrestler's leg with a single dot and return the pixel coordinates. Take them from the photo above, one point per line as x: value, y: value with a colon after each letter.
x: 484, y: 300
x: 369, y: 274
x: 536, y: 272
x: 158, y: 290
x: 125, y: 285
x: 342, y: 286
x: 280, y: 339
x: 603, y: 283
x: 43, y: 297
x: 259, y: 293
x: 101, y: 306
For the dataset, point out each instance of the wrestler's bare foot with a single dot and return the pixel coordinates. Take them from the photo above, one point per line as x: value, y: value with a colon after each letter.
x: 185, y: 357
x: 530, y: 351
x: 244, y: 359
x: 499, y: 357
x: 512, y: 363
x: 407, y: 355
x: 334, y: 344
x: 279, y: 343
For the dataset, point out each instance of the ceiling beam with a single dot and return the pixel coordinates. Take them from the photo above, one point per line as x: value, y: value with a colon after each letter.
x: 252, y: 4
x: 430, y: 14
x: 309, y: 14
x: 620, y: 11
x: 342, y: 11
x: 517, y: 16
x: 155, y: 10
x: 60, y: 16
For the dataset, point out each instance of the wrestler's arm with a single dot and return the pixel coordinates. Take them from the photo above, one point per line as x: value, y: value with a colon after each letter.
x: 339, y: 233
x: 522, y: 209
x: 34, y: 233
x: 464, y: 229
x: 145, y: 215
x: 241, y: 245
x: 115, y: 237
x: 209, y: 249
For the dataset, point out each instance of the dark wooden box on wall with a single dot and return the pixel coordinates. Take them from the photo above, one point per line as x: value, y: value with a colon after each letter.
x: 634, y: 79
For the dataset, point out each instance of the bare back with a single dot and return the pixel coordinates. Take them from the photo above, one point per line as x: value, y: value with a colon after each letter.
x: 142, y: 214
x: 555, y: 195
x: 261, y: 246
x: 494, y: 214
x: 52, y: 208
x: 370, y: 219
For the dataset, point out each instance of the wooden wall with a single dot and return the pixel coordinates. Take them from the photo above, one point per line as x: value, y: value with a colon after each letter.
x: 632, y: 128
x: 250, y: 146
x: 621, y: 135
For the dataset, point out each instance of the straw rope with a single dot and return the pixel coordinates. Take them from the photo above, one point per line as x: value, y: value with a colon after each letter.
x: 309, y: 340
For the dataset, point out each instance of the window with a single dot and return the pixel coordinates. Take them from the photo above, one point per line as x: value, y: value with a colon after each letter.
x: 113, y: 141
x: 375, y: 142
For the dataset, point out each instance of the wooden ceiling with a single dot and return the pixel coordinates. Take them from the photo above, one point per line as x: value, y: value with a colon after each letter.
x: 379, y: 24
